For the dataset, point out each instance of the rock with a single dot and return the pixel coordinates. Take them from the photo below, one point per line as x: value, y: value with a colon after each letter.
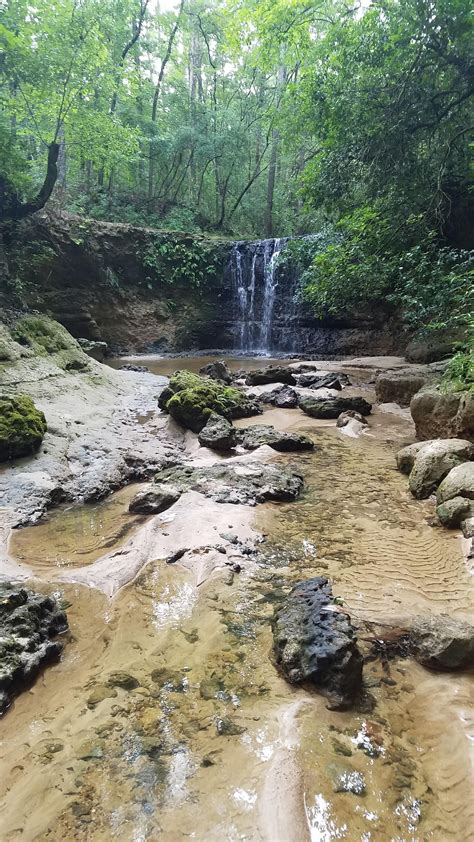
x: 313, y: 641
x: 28, y: 622
x: 458, y: 483
x: 123, y: 680
x: 99, y: 694
x: 441, y: 642
x: 332, y: 407
x: 270, y: 374
x: 217, y: 370
x: 443, y: 414
x: 133, y: 367
x: 454, y: 511
x: 96, y: 350
x: 218, y: 433
x: 398, y: 386
x: 260, y: 434
x: 334, y: 380
x: 235, y: 483
x: 350, y: 415
x: 191, y: 399
x: 154, y: 499
x: 22, y: 427
x: 284, y: 397
x: 226, y: 727
x: 209, y: 688
x: 430, y: 349
x: 346, y: 779
x: 407, y: 455
x: 434, y: 461
x: 467, y: 527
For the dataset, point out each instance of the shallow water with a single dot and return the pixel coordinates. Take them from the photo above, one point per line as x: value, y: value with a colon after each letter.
x: 167, y: 365
x: 212, y: 744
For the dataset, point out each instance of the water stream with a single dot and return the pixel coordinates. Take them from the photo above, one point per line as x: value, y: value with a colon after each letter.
x: 207, y: 741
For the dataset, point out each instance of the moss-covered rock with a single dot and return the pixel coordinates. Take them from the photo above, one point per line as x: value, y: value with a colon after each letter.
x: 191, y: 400
x: 22, y: 427
x: 43, y: 335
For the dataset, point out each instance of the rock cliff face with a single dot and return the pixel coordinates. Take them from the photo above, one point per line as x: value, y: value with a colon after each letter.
x: 144, y: 290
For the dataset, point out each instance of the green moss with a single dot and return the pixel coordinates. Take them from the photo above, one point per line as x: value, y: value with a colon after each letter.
x: 22, y: 427
x: 42, y: 335
x: 191, y: 399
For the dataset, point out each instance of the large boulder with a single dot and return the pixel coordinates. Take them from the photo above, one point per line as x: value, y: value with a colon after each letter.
x: 191, y: 399
x: 22, y: 427
x: 314, y: 642
x: 429, y: 349
x: 398, y: 386
x: 95, y: 349
x: 443, y: 414
x: 434, y: 461
x: 261, y: 434
x: 218, y: 434
x: 332, y: 407
x: 441, y: 642
x: 458, y: 483
x: 153, y: 499
x: 217, y: 370
x: 283, y: 397
x: 235, y: 483
x: 28, y: 622
x: 270, y: 374
x: 407, y: 455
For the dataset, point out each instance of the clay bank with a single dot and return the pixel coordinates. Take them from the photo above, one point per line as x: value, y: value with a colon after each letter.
x: 225, y: 612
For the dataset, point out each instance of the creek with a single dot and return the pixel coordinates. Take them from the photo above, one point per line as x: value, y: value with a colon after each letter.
x: 200, y: 738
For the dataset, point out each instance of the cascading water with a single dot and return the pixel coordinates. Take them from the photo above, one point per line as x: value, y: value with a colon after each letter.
x: 254, y: 273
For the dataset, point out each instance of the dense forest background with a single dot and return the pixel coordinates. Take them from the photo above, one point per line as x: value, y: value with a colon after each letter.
x: 257, y: 118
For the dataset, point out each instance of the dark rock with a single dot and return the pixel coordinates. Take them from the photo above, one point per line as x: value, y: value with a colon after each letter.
x: 191, y: 399
x: 271, y: 374
x: 226, y: 727
x: 398, y: 386
x: 133, y: 367
x: 443, y: 414
x: 96, y: 350
x: 22, y: 427
x: 441, y: 642
x: 28, y: 622
x: 218, y: 434
x: 123, y: 680
x: 227, y: 483
x: 334, y: 380
x: 217, y: 370
x: 315, y: 642
x: 284, y: 397
x: 260, y: 434
x: 433, y: 462
x: 332, y: 407
x: 153, y: 499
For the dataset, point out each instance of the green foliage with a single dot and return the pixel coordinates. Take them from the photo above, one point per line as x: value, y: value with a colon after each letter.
x: 459, y: 373
x: 22, y: 427
x: 174, y: 260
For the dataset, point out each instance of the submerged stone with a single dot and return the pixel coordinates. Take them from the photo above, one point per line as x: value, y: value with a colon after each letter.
x: 332, y: 407
x: 239, y: 483
x: 28, y: 622
x: 262, y: 434
x: 315, y: 642
x: 22, y: 427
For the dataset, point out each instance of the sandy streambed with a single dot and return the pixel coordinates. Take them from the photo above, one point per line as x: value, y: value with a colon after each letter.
x: 199, y: 737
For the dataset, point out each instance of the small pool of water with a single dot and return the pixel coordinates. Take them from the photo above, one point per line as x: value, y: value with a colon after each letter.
x: 74, y: 536
x: 167, y: 365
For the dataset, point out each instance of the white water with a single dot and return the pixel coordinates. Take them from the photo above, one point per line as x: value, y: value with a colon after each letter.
x: 260, y: 274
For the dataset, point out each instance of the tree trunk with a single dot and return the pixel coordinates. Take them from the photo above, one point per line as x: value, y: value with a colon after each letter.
x: 10, y: 206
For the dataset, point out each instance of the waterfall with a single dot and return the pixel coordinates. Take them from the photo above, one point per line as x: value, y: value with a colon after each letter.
x: 254, y: 277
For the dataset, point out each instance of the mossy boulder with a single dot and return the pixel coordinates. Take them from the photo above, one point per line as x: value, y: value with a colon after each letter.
x: 191, y: 400
x: 43, y: 335
x: 22, y: 427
